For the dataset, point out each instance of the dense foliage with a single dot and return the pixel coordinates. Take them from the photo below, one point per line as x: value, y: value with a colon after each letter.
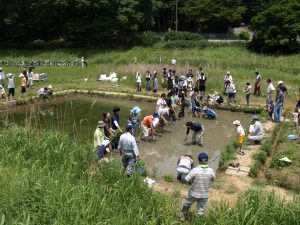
x: 277, y: 27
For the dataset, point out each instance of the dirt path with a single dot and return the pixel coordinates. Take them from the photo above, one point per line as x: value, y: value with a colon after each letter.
x: 228, y: 187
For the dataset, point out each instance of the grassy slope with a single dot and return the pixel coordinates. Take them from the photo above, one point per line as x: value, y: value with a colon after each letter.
x: 215, y: 61
x: 49, y: 180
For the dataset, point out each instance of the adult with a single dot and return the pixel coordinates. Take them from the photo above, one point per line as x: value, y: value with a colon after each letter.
x: 198, y: 131
x: 231, y: 92
x: 190, y: 74
x: 209, y: 113
x: 147, y: 126
x: 103, y: 151
x: 257, y: 84
x: 155, y: 81
x: 161, y: 102
x: 43, y: 93
x: 30, y: 77
x: 227, y: 80
x: 282, y: 87
x: 201, y: 177
x: 108, y: 131
x: 278, y: 104
x: 2, y: 77
x: 115, y: 125
x: 148, y: 79
x: 164, y: 78
x: 270, y: 91
x: 128, y: 150
x: 170, y: 80
x: 133, y: 118
x: 256, y: 133
x: 115, y: 122
x: 298, y: 99
x: 184, y: 165
x: 11, y: 86
x: 99, y: 136
x: 198, y: 74
x: 202, y: 83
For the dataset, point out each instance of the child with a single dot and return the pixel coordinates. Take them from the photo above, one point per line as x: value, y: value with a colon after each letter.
x: 138, y: 81
x: 271, y: 109
x: 248, y: 92
x: 2, y: 92
x: 240, y: 136
x: 24, y: 83
x: 181, y: 103
x: 295, y: 115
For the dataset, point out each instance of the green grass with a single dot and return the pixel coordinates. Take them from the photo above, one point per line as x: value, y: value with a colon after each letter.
x: 215, y: 62
x: 50, y: 180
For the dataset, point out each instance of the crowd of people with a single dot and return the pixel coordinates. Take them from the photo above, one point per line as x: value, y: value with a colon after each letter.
x: 26, y: 77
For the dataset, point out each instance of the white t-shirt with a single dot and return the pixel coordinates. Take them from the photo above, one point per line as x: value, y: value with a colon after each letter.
x: 11, y: 83
x: 231, y: 88
x: 161, y: 103
x: 270, y: 88
x: 228, y: 77
x: 240, y: 130
x: 295, y: 115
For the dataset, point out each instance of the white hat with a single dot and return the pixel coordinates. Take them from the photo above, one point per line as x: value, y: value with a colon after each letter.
x: 236, y: 122
x: 228, y: 72
x: 21, y: 75
x: 50, y: 86
x: 105, y: 142
x: 0, y: 68
x: 280, y: 82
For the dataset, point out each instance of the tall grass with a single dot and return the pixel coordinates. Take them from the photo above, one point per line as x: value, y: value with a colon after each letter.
x: 46, y: 179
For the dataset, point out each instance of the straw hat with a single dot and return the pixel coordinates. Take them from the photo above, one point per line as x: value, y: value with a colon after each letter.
x: 280, y: 82
x: 50, y: 86
x: 236, y: 122
x: 228, y: 73
x: 101, y: 124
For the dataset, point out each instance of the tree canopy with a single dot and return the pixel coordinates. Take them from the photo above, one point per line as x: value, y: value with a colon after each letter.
x: 277, y: 27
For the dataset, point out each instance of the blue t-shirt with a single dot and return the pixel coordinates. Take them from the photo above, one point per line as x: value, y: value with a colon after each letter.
x: 197, y: 127
x: 101, y: 152
x: 115, y: 117
x: 211, y: 114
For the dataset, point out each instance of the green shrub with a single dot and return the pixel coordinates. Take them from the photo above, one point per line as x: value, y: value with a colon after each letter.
x: 244, y: 35
x: 179, y: 35
x: 266, y: 147
x: 168, y: 178
x: 254, y: 170
x: 227, y: 154
x: 148, y: 38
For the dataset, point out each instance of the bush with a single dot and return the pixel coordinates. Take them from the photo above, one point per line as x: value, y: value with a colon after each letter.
x: 244, y: 35
x: 148, y: 38
x: 261, y: 157
x: 175, y: 36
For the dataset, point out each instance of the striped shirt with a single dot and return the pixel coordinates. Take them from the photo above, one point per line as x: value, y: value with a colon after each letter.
x: 201, y: 179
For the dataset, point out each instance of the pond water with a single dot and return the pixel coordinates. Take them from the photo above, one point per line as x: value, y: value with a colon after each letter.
x: 78, y: 117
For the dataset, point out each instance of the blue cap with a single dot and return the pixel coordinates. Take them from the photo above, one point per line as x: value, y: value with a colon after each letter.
x: 155, y: 115
x: 203, y: 157
x: 129, y: 126
x: 254, y: 117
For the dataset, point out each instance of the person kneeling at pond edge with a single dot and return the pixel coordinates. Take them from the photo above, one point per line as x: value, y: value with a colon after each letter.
x: 197, y: 129
x: 184, y: 165
x: 209, y: 113
x: 256, y: 133
x: 200, y: 178
x: 103, y: 152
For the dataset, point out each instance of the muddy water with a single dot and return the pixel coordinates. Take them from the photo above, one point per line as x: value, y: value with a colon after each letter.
x: 78, y: 118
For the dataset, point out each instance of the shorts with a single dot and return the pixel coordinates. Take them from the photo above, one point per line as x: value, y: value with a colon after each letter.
x: 11, y: 91
x: 145, y: 130
x: 23, y: 89
x: 241, y: 139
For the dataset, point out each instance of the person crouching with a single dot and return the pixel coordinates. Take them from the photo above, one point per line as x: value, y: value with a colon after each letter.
x: 184, y: 165
x: 103, y: 152
x: 197, y: 128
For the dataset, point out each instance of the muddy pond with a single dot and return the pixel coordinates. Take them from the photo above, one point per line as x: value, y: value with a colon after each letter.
x: 78, y: 117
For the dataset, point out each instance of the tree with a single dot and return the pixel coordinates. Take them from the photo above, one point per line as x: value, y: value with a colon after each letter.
x: 213, y: 13
x: 276, y: 28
